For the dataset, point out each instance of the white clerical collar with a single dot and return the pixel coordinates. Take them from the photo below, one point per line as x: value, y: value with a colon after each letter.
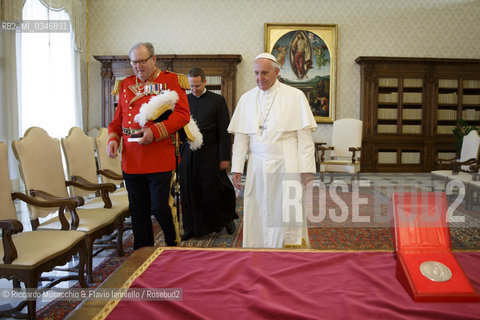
x: 204, y: 90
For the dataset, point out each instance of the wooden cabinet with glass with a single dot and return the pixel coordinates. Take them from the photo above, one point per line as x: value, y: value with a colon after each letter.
x: 409, y: 107
x: 220, y: 71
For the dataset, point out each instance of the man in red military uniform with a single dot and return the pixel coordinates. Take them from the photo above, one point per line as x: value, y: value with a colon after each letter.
x: 147, y: 164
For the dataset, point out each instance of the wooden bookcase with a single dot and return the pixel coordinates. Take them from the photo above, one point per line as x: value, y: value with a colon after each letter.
x: 220, y: 70
x: 409, y: 107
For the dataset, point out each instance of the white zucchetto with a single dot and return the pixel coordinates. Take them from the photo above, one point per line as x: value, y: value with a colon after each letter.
x: 266, y: 56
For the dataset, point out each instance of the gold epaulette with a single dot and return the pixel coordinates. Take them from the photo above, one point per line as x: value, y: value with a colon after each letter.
x: 116, y: 88
x: 183, y: 81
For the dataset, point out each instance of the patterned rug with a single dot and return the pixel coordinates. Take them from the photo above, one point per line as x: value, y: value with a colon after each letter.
x: 325, y: 234
x: 337, y: 231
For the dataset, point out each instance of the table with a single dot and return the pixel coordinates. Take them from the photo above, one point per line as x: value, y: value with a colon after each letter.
x: 277, y: 284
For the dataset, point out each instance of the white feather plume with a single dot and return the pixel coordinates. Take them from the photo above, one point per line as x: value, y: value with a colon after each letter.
x: 195, y: 131
x: 147, y: 110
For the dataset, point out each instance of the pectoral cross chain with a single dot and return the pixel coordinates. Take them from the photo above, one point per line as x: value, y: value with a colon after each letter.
x: 264, y: 119
x: 262, y: 127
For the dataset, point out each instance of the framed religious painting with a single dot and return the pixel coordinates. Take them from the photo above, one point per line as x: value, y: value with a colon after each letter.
x: 307, y: 55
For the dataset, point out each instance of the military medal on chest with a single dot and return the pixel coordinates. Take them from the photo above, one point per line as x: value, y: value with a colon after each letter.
x: 148, y: 89
x: 154, y: 88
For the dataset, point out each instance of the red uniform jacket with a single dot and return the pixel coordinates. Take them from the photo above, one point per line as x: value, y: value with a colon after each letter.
x: 158, y: 156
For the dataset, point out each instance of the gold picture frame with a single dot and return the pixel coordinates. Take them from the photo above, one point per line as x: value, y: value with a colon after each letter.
x: 307, y: 55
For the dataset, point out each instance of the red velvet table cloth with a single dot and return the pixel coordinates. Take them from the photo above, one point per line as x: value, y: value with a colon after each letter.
x: 246, y: 284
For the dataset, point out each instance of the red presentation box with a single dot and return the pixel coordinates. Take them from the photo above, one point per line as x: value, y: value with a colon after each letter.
x: 422, y: 238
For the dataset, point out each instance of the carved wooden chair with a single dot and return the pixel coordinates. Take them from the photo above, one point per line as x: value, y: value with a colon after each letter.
x: 79, y: 152
x: 345, y: 148
x: 463, y: 169
x: 26, y: 255
x: 110, y: 169
x: 41, y: 167
x: 473, y: 189
x: 460, y: 168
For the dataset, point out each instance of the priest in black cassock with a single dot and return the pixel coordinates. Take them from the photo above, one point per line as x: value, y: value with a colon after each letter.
x: 207, y: 194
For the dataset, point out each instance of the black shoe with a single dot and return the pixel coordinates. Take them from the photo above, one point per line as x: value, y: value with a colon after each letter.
x: 186, y: 236
x: 230, y: 227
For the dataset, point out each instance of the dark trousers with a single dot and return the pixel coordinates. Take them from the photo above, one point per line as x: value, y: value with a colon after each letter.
x: 148, y: 194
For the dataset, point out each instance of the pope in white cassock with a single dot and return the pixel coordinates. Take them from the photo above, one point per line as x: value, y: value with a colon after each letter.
x: 273, y: 124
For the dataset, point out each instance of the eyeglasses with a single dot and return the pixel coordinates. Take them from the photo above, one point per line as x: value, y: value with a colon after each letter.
x: 142, y: 62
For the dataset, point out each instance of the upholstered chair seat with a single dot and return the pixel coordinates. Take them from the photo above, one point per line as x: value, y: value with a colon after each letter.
x: 27, y: 254
x: 41, y: 166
